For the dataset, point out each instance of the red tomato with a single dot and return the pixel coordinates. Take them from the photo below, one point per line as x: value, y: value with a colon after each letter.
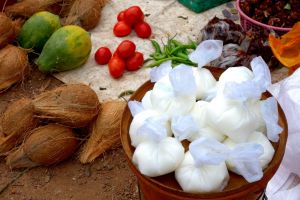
x: 116, y: 54
x: 122, y: 29
x: 102, y: 55
x: 135, y: 62
x: 143, y: 30
x: 121, y: 16
x: 133, y: 15
x: 126, y: 49
x: 116, y: 67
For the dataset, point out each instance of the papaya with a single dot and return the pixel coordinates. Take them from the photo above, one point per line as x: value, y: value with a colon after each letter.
x: 37, y: 30
x: 68, y: 48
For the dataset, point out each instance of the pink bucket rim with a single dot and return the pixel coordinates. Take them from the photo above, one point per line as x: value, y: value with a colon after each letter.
x: 258, y: 23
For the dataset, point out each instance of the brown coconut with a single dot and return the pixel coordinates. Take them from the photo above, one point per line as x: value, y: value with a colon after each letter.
x: 85, y: 13
x: 74, y: 105
x: 8, y: 30
x: 27, y: 8
x: 46, y: 146
x: 105, y: 132
x: 17, y: 159
x: 16, y: 123
x: 18, y: 118
x: 14, y: 66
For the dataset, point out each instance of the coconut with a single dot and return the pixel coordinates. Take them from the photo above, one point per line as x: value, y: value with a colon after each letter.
x: 18, y: 23
x: 74, y: 105
x: 13, y: 66
x: 17, y: 159
x: 46, y: 146
x: 85, y: 13
x: 7, y: 30
x: 16, y: 123
x: 105, y: 131
x: 18, y: 118
x: 27, y: 8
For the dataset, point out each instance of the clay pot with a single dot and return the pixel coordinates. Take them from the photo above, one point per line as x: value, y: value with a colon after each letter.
x: 166, y: 187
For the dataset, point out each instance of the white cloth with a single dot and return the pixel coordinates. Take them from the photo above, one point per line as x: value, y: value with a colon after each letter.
x: 285, y: 185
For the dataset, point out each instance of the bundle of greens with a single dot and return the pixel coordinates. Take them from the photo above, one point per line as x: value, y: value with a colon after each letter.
x: 174, y: 51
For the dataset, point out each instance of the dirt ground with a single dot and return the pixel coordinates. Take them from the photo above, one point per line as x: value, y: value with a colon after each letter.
x: 109, y: 177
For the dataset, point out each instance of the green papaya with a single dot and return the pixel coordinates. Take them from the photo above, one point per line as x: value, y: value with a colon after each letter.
x: 68, y: 48
x: 37, y: 30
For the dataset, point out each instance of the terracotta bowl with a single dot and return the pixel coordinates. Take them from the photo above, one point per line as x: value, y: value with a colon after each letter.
x: 166, y: 187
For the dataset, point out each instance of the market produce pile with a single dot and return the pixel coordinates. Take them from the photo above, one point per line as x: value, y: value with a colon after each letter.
x: 227, y: 122
x: 282, y: 13
x: 125, y: 56
x: 52, y: 30
x: 44, y: 130
x: 85, y: 13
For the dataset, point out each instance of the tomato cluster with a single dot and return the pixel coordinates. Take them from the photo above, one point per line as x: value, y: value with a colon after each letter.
x: 132, y: 18
x: 125, y: 57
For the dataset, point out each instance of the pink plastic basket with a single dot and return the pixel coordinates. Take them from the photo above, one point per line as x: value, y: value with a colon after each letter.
x: 250, y: 24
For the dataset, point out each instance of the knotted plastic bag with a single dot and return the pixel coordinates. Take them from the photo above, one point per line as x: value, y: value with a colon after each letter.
x: 235, y: 119
x: 262, y: 74
x: 153, y: 129
x: 245, y: 158
x: 206, y: 52
x: 175, y: 93
x: 203, y: 179
x: 269, y: 111
x: 203, y: 169
x: 200, y: 117
x: 184, y: 127
x: 208, y: 151
x: 135, y: 107
x: 138, y: 129
x: 205, y: 83
x: 251, y: 88
x: 146, y: 100
x: 183, y: 81
x: 258, y: 138
x: 158, y: 158
x: 159, y: 72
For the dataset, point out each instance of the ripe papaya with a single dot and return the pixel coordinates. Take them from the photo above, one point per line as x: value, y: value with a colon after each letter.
x: 37, y: 30
x: 68, y: 48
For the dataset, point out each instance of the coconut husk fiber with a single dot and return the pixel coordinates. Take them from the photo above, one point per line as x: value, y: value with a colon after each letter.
x: 85, y: 13
x: 46, y: 145
x: 8, y: 29
x: 14, y: 66
x: 74, y: 105
x: 16, y: 123
x: 27, y: 8
x: 105, y: 131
